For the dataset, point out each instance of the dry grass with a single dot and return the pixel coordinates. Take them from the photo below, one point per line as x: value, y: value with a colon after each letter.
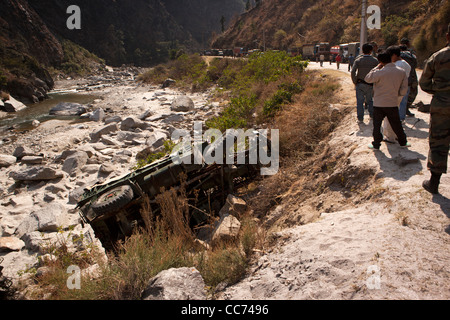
x: 166, y: 241
x: 303, y: 125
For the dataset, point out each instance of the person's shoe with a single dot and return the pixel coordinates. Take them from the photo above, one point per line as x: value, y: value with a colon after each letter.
x: 407, y: 145
x: 432, y: 185
x: 409, y: 113
x: 371, y: 146
x: 429, y: 187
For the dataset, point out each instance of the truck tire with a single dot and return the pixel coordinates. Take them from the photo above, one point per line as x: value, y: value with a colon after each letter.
x: 113, y: 200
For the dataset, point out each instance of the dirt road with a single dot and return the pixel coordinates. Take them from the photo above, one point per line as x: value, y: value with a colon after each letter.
x: 421, y: 96
x: 390, y: 243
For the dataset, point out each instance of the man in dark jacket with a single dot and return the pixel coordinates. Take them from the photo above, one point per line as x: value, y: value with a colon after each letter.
x: 408, y: 55
x: 364, y: 91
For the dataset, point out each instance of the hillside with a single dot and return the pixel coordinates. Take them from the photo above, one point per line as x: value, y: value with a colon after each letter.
x: 141, y: 33
x: 282, y: 24
x: 34, y: 38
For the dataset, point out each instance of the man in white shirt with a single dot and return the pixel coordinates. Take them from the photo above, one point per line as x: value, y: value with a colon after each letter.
x: 395, y: 53
x: 389, y: 83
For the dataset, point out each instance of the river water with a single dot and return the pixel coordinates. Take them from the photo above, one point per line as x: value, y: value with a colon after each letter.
x: 22, y: 120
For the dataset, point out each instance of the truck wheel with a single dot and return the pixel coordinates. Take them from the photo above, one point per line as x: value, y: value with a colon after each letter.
x: 113, y: 200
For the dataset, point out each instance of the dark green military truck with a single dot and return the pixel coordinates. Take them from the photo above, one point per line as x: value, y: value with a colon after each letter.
x: 113, y: 209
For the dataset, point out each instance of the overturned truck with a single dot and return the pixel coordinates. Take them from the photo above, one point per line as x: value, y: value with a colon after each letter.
x: 113, y: 209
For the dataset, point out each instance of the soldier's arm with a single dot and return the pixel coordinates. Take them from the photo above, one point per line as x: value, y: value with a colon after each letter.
x: 426, y: 80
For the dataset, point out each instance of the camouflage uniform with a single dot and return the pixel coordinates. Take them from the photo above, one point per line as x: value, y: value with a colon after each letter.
x: 436, y: 80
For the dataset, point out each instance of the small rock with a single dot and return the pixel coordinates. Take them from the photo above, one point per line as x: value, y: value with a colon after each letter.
x: 228, y: 228
x: 146, y: 115
x: 11, y: 244
x: 114, y: 119
x: 51, y: 217
x: 32, y: 160
x: 176, y: 284
x: 76, y: 194
x: 173, y: 118
x: 167, y: 83
x: 106, y: 168
x: 98, y: 115
x: 237, y: 205
x: 7, y: 161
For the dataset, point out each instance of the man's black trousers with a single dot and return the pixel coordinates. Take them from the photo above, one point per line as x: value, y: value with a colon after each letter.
x: 379, y: 113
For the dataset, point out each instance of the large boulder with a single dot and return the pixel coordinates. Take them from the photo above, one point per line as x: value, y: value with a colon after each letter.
x: 182, y: 104
x: 68, y: 109
x: 110, y: 128
x: 46, y: 219
x: 12, y: 105
x: 75, y: 162
x: 22, y: 151
x: 36, y: 174
x: 132, y: 123
x: 176, y: 284
x: 156, y: 139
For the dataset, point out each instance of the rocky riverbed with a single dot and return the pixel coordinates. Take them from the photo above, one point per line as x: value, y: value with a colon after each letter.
x: 45, y: 169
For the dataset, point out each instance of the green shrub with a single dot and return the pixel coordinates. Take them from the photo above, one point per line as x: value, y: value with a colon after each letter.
x: 282, y: 96
x: 236, y: 115
x: 168, y: 147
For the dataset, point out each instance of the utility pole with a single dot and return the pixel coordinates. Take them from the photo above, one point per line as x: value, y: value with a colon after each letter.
x: 363, y: 38
x: 264, y: 40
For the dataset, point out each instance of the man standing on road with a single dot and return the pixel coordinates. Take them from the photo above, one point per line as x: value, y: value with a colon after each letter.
x: 409, y: 56
x: 389, y: 83
x: 351, y: 60
x: 435, y: 80
x: 364, y: 91
x: 395, y: 53
x: 322, y: 59
x: 338, y: 60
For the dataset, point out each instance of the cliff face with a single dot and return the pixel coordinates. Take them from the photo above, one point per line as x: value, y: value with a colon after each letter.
x: 22, y: 29
x: 27, y: 47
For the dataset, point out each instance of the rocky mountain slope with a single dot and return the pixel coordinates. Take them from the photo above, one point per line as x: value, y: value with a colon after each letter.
x: 282, y: 24
x: 34, y: 36
x: 141, y: 32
